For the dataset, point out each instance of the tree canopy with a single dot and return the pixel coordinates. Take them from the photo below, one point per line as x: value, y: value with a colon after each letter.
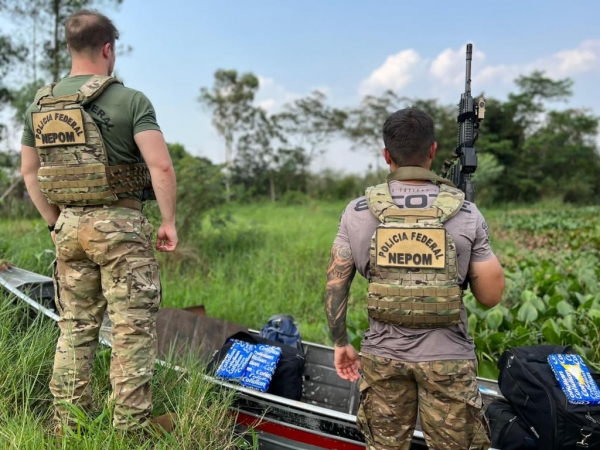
x: 533, y: 144
x: 527, y: 151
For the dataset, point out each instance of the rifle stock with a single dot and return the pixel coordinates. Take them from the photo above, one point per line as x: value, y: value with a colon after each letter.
x: 470, y: 114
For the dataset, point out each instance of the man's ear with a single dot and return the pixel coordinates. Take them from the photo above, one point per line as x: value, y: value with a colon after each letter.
x: 106, y: 49
x: 432, y: 150
x: 386, y: 156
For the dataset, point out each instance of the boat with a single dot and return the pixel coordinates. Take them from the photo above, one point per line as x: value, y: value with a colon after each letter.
x: 325, y: 416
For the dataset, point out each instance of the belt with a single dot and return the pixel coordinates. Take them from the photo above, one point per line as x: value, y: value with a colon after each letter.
x: 128, y: 202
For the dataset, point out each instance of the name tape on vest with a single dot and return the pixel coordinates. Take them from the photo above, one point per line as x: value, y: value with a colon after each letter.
x: 411, y: 247
x: 58, y: 127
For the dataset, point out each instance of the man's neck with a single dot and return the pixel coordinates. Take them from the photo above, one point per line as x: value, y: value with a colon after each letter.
x: 394, y: 167
x: 86, y: 67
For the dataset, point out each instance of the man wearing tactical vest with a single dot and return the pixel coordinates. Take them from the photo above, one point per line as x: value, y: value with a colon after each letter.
x: 416, y: 241
x: 91, y: 152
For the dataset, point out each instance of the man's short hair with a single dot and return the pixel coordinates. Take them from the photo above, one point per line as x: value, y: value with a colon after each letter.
x: 87, y: 31
x: 408, y: 135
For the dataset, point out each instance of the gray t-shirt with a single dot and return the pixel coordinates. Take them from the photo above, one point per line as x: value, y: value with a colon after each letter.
x: 470, y: 233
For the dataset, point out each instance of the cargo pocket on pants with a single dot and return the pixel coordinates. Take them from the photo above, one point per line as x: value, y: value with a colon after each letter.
x: 143, y: 284
x: 58, y: 306
x: 364, y: 411
x: 478, y: 426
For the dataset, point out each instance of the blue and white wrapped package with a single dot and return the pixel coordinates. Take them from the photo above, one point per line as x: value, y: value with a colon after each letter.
x: 261, y: 367
x: 236, y: 360
x: 575, y: 379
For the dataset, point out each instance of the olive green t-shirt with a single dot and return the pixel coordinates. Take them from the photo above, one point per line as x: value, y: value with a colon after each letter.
x: 119, y: 112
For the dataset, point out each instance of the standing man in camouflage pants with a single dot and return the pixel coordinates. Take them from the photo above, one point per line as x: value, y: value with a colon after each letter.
x: 416, y: 240
x: 91, y: 151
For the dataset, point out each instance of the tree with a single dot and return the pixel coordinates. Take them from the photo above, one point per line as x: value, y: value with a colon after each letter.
x: 277, y: 150
x: 200, y: 189
x: 266, y: 162
x: 11, y: 54
x: 45, y: 19
x: 535, y: 91
x: 562, y: 158
x: 364, y: 123
x: 50, y: 16
x: 256, y: 155
x: 309, y: 123
x: 517, y: 131
x: 230, y: 100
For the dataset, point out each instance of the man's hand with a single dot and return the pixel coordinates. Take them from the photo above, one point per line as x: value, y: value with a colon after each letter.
x: 166, y: 238
x: 347, y: 362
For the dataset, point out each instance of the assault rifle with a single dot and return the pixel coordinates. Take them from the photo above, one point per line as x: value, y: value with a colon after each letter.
x: 460, y: 168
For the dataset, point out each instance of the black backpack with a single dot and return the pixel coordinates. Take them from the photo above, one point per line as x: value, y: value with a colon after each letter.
x: 288, y: 378
x: 281, y: 328
x: 528, y: 383
x: 509, y: 431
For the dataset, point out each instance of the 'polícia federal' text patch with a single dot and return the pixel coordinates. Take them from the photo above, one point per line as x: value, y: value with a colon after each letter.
x: 411, y: 247
x: 58, y: 127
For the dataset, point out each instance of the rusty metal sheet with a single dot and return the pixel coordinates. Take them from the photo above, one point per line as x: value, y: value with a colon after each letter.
x: 183, y: 332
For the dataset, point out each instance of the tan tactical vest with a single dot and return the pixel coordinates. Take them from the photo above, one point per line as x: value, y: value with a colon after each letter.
x: 413, y: 265
x: 74, y: 165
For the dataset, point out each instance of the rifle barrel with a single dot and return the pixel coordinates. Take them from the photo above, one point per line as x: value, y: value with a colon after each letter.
x: 468, y: 74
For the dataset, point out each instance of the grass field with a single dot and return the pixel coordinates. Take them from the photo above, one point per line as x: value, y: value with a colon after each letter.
x: 272, y: 259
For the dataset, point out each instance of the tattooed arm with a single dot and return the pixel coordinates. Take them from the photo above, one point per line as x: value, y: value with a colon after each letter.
x: 340, y: 274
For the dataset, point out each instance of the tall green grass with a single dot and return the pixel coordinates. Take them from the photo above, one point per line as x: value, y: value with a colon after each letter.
x: 272, y: 259
x: 27, y: 343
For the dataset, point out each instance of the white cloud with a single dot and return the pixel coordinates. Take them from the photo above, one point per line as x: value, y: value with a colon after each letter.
x: 265, y: 82
x: 449, y: 66
x: 268, y: 104
x: 395, y: 73
x: 584, y: 58
x: 408, y: 69
x: 272, y: 95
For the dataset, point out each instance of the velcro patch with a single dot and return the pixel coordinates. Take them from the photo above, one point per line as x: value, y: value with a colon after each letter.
x: 58, y: 127
x: 411, y: 247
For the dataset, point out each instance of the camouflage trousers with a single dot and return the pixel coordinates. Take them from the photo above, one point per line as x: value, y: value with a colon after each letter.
x: 443, y: 393
x: 105, y: 261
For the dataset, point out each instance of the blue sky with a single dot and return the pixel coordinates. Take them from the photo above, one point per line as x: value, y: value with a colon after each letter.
x: 347, y: 49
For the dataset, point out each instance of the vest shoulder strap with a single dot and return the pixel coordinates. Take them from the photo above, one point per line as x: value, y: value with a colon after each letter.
x: 379, y: 200
x: 46, y: 91
x: 95, y: 86
x: 449, y: 201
